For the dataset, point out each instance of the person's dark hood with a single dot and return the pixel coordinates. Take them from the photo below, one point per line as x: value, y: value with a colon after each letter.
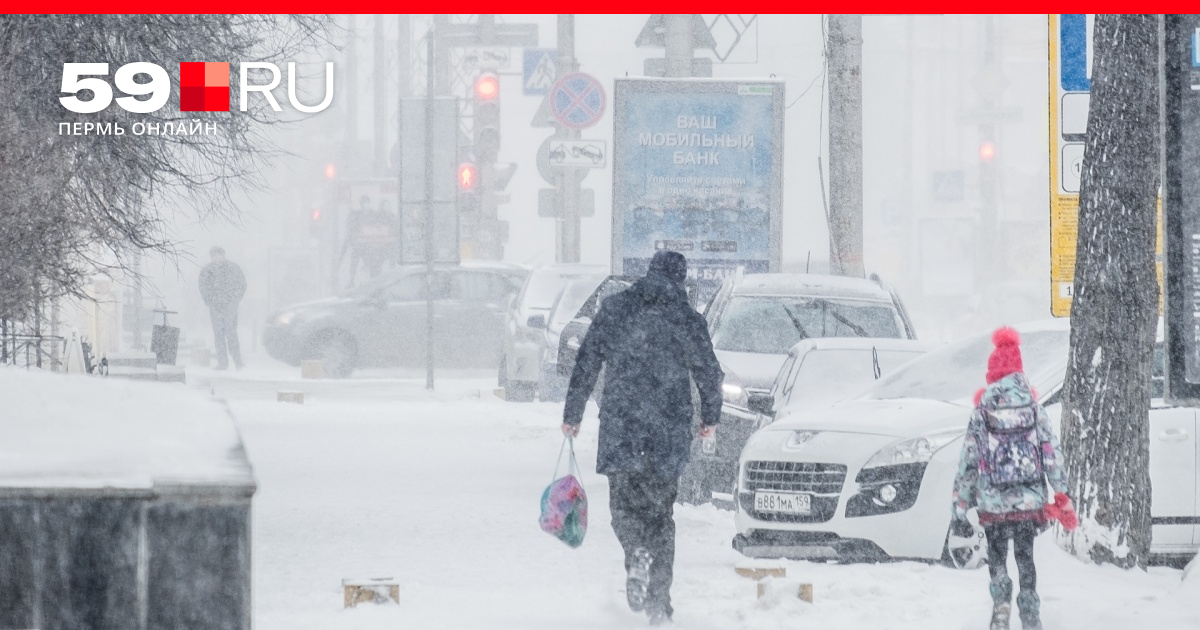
x: 656, y: 288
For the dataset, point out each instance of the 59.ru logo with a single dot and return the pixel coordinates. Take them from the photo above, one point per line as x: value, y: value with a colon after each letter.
x: 203, y: 87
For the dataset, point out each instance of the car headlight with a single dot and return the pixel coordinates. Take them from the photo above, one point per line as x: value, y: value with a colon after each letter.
x: 285, y: 318
x: 915, y: 450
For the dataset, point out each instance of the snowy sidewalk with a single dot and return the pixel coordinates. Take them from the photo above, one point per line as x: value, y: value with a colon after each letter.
x: 441, y: 492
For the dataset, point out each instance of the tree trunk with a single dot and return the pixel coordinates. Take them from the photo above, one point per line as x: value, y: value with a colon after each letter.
x: 1107, y: 391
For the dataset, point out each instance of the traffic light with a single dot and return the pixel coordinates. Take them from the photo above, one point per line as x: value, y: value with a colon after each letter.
x: 330, y: 171
x: 468, y: 177
x: 987, y: 151
x: 486, y: 111
x: 468, y: 187
x: 314, y: 224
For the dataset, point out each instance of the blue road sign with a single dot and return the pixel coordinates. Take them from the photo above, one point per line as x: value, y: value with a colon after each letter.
x: 1196, y: 48
x: 577, y: 100
x: 1073, y: 52
x: 538, y: 71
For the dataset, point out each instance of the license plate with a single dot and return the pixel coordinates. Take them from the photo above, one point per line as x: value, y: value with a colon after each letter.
x: 783, y: 502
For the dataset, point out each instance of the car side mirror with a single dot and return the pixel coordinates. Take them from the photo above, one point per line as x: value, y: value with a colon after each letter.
x: 536, y: 322
x: 762, y: 404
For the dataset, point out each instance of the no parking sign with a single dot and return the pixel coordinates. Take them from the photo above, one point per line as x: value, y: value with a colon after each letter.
x: 577, y: 100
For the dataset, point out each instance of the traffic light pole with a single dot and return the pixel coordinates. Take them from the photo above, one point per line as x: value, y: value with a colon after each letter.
x: 404, y: 43
x: 567, y: 180
x: 429, y: 223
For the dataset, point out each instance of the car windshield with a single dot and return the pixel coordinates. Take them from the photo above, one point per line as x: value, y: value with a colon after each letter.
x: 956, y: 372
x: 545, y: 284
x: 831, y: 375
x: 773, y: 324
x: 571, y: 299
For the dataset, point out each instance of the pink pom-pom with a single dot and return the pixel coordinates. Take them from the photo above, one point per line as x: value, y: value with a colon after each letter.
x: 1006, y: 337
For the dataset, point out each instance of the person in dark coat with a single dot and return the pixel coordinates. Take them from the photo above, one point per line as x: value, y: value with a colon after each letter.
x: 222, y: 286
x: 652, y: 345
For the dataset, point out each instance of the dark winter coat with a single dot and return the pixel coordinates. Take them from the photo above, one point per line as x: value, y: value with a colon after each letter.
x: 222, y: 284
x: 649, y: 341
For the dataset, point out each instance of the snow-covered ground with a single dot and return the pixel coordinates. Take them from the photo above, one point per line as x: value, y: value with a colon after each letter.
x: 440, y: 491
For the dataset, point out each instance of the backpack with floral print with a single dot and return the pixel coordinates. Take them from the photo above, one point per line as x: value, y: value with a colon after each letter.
x: 1011, y: 453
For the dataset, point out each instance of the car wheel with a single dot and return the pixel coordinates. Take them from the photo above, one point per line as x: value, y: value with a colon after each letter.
x: 336, y: 351
x: 519, y: 391
x: 966, y: 546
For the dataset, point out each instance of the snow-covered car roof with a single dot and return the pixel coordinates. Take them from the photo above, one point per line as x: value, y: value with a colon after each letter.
x: 74, y: 432
x: 813, y: 285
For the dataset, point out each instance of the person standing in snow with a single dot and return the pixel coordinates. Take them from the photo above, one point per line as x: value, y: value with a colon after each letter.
x: 652, y: 345
x: 1009, y: 454
x: 222, y: 286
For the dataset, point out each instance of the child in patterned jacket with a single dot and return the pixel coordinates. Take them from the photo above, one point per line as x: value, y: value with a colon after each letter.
x: 1009, y: 455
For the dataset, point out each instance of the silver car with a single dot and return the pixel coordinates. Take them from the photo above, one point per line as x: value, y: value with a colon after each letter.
x: 522, y: 364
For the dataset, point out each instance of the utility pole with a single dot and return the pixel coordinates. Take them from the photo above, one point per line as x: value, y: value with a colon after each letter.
x: 567, y: 180
x: 403, y: 90
x: 990, y: 88
x: 429, y: 219
x: 680, y: 48
x: 844, y: 67
x: 379, y: 92
x: 351, y: 95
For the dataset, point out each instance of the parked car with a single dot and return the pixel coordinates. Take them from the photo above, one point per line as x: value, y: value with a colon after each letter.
x: 816, y: 372
x: 571, y: 336
x: 552, y: 386
x: 754, y: 320
x: 383, y: 323
x: 871, y: 478
x: 525, y: 326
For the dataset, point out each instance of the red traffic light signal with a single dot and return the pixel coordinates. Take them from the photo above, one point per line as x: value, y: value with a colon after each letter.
x: 330, y: 171
x: 987, y: 151
x: 487, y: 87
x: 468, y: 176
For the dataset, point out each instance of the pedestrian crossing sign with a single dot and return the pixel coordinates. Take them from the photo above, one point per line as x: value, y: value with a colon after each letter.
x: 538, y: 71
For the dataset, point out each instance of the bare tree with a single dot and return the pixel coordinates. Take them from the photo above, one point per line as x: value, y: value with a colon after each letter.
x: 1107, y: 391
x: 71, y: 204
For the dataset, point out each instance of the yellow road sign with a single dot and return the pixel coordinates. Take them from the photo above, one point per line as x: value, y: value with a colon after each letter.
x: 1070, y: 84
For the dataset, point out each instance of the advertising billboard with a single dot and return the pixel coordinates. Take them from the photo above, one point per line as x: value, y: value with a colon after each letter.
x: 697, y: 168
x: 1181, y: 205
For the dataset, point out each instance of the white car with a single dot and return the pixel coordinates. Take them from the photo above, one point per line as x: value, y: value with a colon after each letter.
x: 524, y: 331
x: 872, y: 477
x: 815, y: 372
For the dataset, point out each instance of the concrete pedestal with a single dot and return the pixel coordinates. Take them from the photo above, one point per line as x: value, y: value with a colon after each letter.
x: 123, y: 517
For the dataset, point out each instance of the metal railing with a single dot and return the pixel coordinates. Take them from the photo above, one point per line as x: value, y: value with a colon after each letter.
x: 40, y: 351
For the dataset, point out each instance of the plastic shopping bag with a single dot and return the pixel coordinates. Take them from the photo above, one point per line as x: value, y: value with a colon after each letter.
x: 564, y: 503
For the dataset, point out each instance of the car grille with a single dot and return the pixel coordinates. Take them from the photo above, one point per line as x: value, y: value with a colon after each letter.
x: 823, y: 481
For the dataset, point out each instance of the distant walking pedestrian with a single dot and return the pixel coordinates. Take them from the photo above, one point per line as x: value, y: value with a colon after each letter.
x: 222, y: 286
x: 652, y: 345
x: 1009, y: 455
